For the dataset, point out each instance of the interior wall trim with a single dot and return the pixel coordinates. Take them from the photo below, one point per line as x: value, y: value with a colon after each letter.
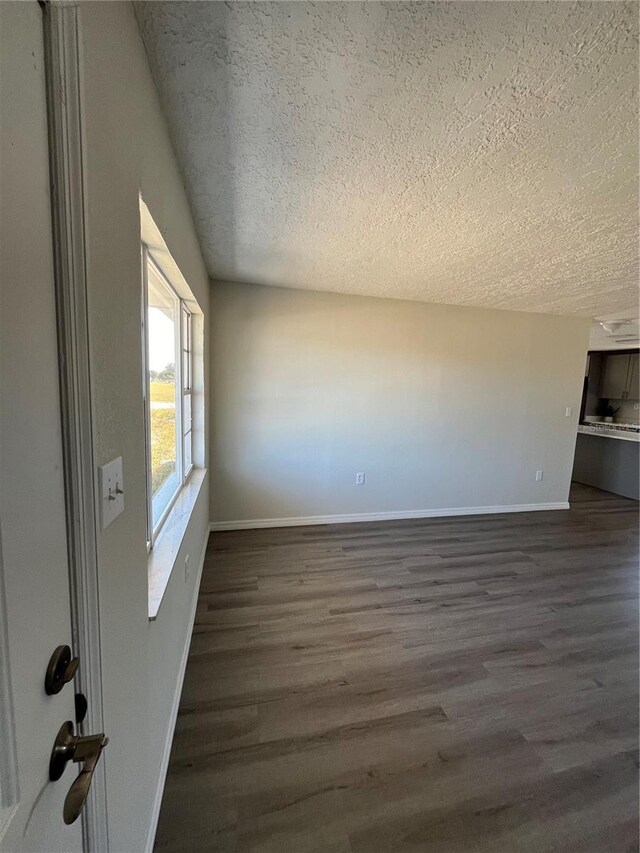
x: 304, y: 521
x: 9, y: 779
x: 166, y: 753
x: 63, y: 63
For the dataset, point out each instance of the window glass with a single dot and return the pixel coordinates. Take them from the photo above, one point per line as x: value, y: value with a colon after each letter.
x: 186, y: 349
x: 187, y: 413
x: 187, y: 362
x: 164, y: 398
x: 187, y: 452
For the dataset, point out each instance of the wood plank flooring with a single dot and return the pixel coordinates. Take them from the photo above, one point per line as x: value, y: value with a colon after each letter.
x: 449, y: 685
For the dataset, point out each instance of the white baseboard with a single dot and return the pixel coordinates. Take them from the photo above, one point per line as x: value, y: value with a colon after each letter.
x: 164, y: 765
x: 253, y: 523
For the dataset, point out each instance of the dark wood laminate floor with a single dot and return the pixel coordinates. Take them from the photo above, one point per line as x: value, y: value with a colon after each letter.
x: 441, y: 685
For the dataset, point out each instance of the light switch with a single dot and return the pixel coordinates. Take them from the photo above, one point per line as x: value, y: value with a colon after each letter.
x: 568, y: 411
x: 111, y: 486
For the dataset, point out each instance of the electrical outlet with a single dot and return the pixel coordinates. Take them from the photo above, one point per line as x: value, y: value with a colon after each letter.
x: 360, y: 478
x: 568, y: 412
x: 539, y: 476
x: 186, y: 568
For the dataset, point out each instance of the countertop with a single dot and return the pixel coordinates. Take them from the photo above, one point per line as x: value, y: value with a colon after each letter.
x: 604, y: 430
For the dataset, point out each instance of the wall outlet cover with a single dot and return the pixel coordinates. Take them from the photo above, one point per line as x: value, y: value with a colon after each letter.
x: 360, y: 478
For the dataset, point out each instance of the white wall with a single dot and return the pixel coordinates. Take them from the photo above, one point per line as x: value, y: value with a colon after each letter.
x: 442, y: 407
x: 127, y: 152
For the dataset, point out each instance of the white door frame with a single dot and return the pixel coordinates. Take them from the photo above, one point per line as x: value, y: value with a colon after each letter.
x: 66, y: 157
x: 9, y: 787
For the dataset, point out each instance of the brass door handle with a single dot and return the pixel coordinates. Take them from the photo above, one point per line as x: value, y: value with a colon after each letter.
x: 70, y: 747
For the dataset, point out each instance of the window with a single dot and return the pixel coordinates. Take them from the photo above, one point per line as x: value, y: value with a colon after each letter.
x: 168, y: 354
x: 187, y: 369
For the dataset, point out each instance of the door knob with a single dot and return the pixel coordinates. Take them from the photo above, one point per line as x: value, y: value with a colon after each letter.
x: 60, y: 671
x: 70, y: 747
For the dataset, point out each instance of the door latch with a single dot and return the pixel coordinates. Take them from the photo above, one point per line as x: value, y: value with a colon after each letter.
x: 81, y: 706
x: 86, y: 750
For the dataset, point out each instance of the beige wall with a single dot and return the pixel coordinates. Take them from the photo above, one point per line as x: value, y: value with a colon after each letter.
x: 127, y: 152
x: 442, y: 407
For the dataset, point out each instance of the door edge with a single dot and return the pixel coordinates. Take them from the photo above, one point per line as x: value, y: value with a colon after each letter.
x: 63, y: 62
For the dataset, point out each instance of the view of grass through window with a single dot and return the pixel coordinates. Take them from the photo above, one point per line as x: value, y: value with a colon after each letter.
x: 161, y: 317
x: 167, y: 333
x: 163, y: 430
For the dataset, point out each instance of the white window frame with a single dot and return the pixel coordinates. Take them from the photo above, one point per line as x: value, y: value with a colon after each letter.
x: 186, y: 348
x: 180, y: 346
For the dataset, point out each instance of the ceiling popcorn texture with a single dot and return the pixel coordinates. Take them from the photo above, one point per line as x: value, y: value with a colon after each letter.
x: 465, y: 153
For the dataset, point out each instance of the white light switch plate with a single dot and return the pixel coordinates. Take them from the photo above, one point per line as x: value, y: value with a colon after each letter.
x: 111, y: 486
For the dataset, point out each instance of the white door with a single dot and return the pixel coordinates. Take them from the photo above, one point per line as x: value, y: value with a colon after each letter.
x: 34, y: 569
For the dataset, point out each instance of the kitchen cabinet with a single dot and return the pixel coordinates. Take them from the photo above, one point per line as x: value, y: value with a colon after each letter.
x: 620, y: 377
x: 607, y: 463
x: 633, y: 378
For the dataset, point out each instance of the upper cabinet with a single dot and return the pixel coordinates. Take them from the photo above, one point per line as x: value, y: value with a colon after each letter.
x: 614, y: 377
x: 620, y: 377
x: 633, y: 377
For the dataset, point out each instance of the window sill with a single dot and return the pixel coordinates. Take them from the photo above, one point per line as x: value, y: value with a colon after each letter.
x: 163, y: 556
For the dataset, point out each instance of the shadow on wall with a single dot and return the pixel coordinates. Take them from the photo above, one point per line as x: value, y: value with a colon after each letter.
x: 310, y: 388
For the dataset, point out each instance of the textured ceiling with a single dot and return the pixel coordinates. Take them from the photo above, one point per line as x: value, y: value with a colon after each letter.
x: 467, y: 153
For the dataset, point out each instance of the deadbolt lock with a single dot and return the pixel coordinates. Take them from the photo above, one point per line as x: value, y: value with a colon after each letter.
x: 60, y: 671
